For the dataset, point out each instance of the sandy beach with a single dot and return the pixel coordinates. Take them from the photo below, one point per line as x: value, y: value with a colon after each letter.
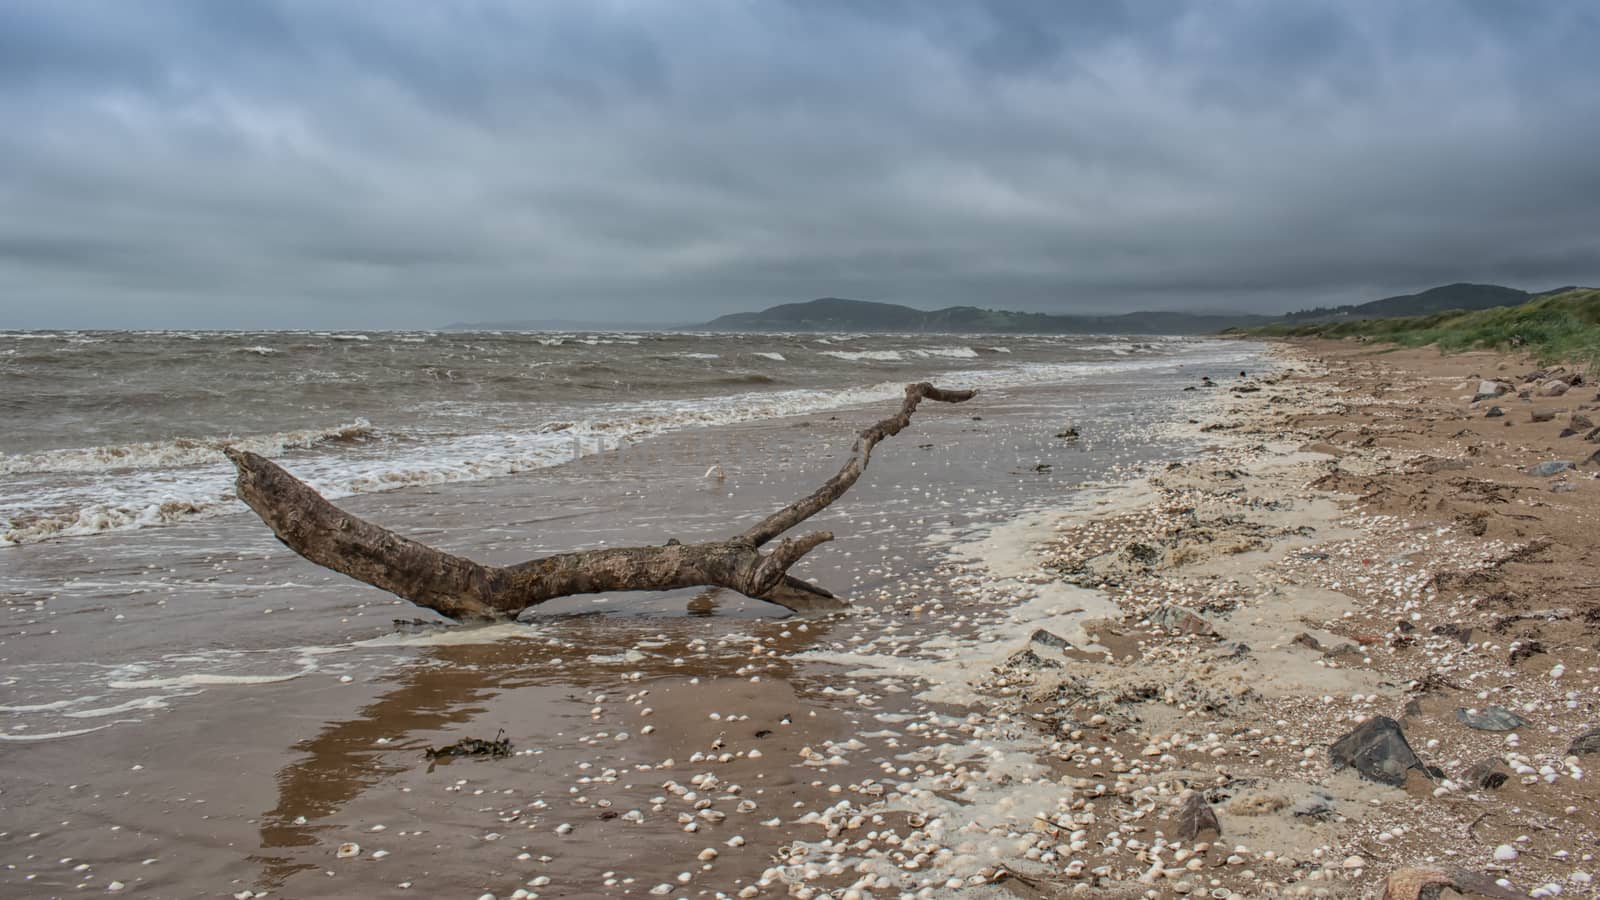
x: 1364, y: 540
x: 1130, y: 688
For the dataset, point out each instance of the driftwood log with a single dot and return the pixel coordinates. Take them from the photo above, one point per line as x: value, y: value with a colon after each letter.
x: 464, y: 590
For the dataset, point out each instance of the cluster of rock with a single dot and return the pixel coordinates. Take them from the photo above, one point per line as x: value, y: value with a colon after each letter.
x: 1544, y: 383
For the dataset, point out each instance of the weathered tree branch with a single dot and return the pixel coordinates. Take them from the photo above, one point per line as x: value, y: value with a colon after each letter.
x: 860, y: 454
x: 465, y: 590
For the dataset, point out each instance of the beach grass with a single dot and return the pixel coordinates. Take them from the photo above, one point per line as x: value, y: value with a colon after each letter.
x: 1558, y: 328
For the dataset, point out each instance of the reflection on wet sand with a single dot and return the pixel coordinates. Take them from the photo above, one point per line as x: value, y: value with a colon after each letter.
x: 452, y: 684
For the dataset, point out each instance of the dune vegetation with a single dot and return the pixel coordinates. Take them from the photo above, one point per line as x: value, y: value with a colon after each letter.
x: 1562, y: 327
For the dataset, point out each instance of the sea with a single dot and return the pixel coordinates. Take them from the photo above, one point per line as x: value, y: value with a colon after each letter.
x: 109, y: 431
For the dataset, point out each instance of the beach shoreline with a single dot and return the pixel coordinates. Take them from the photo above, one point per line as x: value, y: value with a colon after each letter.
x: 1362, y: 541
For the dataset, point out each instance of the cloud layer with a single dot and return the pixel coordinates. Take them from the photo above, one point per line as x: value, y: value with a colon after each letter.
x: 300, y: 163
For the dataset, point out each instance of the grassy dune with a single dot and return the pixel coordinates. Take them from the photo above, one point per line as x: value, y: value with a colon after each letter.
x: 1561, y: 327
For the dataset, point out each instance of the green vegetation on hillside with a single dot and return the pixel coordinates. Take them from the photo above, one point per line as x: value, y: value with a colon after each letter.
x: 1562, y: 327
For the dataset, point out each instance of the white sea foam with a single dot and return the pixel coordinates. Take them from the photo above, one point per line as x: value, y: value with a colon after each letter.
x: 42, y: 707
x: 775, y: 357
x: 50, y: 735
x: 203, y: 679
x: 143, y: 703
x: 260, y: 350
x: 700, y: 355
x: 864, y: 355
x: 176, y: 452
x: 946, y: 352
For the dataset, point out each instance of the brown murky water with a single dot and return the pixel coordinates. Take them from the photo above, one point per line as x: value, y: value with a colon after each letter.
x: 228, y: 715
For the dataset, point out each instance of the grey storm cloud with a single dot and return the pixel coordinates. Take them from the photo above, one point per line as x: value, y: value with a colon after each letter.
x: 286, y: 163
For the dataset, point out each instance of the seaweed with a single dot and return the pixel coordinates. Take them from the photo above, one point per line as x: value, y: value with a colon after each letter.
x: 496, y: 749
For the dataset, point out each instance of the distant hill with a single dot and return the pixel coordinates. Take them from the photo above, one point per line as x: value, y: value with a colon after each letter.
x: 1447, y: 297
x: 840, y: 314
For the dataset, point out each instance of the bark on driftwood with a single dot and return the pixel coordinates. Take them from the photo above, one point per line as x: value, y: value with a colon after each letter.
x: 464, y: 590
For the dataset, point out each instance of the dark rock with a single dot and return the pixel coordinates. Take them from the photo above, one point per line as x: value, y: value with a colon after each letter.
x: 1553, y: 388
x: 1197, y: 818
x: 1143, y: 554
x: 1317, y: 806
x: 1488, y: 774
x: 1050, y: 639
x: 1542, y: 415
x: 1581, y: 422
x: 1027, y: 659
x: 1070, y: 433
x: 1492, y: 718
x: 1462, y: 633
x: 1586, y: 743
x: 1307, y: 641
x: 1494, y: 412
x: 1522, y: 650
x: 1176, y: 618
x: 1378, y: 751
x: 1563, y: 487
x: 1550, y: 467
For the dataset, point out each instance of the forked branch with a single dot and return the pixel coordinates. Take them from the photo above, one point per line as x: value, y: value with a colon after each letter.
x: 465, y: 590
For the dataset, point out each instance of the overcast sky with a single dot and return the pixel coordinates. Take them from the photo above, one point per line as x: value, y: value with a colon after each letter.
x: 249, y: 163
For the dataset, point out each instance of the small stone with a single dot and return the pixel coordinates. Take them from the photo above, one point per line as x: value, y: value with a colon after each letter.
x: 1550, y: 468
x: 1377, y: 749
x: 1492, y: 718
x: 1181, y: 620
x: 1488, y: 390
x: 1049, y: 639
x: 1505, y: 853
x: 1197, y: 818
x: 348, y: 850
x: 1586, y: 743
x: 1489, y: 774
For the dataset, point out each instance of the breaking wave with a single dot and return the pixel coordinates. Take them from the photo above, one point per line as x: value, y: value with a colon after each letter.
x: 901, y: 355
x: 178, y: 452
x: 861, y: 355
